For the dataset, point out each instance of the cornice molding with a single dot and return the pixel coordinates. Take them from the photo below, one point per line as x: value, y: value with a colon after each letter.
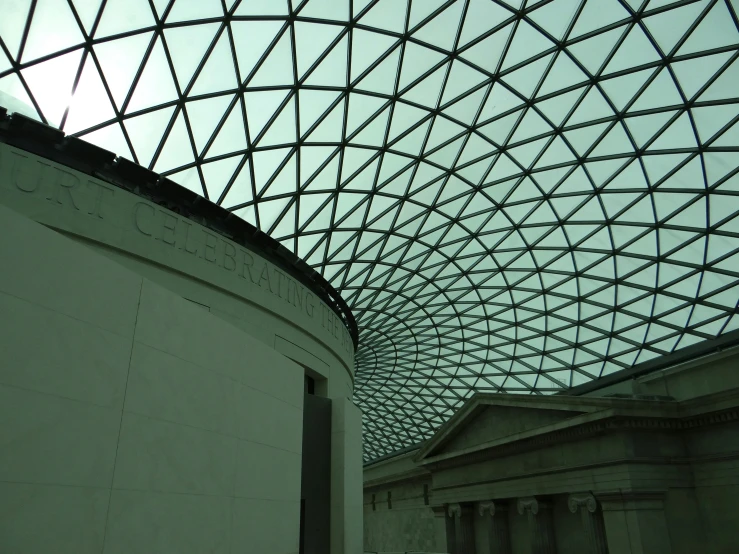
x: 609, y: 423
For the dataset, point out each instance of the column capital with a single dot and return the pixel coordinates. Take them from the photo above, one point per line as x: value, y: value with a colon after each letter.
x: 585, y: 500
x: 528, y: 504
x: 490, y: 507
x: 486, y: 508
x: 454, y: 510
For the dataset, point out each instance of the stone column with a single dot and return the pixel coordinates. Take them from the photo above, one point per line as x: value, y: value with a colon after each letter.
x: 541, y: 524
x: 496, y: 521
x: 592, y: 521
x: 635, y: 522
x: 444, y: 526
x: 464, y: 530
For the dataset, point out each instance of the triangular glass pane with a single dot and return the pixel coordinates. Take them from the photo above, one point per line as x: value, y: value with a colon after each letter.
x: 313, y: 104
x: 525, y: 79
x: 331, y: 127
x: 374, y: 133
x: 177, y: 150
x: 564, y: 73
x: 119, y: 61
x: 121, y: 16
x: 217, y: 175
x: 218, y: 73
x: 527, y: 43
x: 231, y: 137
x: 661, y: 92
x: 155, y: 85
x: 386, y: 14
x: 261, y: 106
x: 555, y: 16
x: 187, y: 46
x: 481, y: 16
x: 382, y: 78
x: 361, y: 109
x: 277, y: 69
x: 332, y: 69
x: 421, y: 10
x: 693, y: 74
x: 53, y: 28
x: 284, y: 180
x: 475, y: 148
x: 412, y: 142
x: 583, y: 138
x: 53, y: 100
x: 643, y: 128
x: 90, y: 104
x: 678, y: 135
x: 326, y: 9
x: 592, y: 52
x: 724, y: 87
x: 634, y: 51
x: 442, y: 131
x: 417, y: 60
x: 282, y: 130
x: 500, y: 100
x: 592, y: 107
x: 557, y: 107
x: 111, y: 138
x: 615, y: 142
x: 251, y: 39
x: 467, y: 107
x: 189, y: 10
x: 367, y: 48
x: 241, y: 190
x: 441, y: 31
x: 426, y: 93
x: 461, y: 79
x: 266, y: 164
x: 486, y: 53
x: 145, y: 132
x: 203, y: 115
x: 262, y: 7
x: 668, y: 27
x: 622, y: 89
x: 12, y: 25
x: 311, y: 41
x: 87, y: 10
x: 596, y: 15
x: 716, y: 30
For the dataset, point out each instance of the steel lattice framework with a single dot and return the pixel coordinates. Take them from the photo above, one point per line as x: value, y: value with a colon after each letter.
x: 512, y: 195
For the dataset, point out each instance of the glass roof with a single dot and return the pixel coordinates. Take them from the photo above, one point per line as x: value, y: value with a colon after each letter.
x: 512, y: 195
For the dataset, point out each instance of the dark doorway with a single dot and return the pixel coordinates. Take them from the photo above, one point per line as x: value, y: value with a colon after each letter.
x: 315, y: 504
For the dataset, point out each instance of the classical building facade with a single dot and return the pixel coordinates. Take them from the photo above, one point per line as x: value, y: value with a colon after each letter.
x: 648, y: 465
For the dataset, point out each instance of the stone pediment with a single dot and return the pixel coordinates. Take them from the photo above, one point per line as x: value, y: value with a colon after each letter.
x: 492, y: 417
x: 497, y: 422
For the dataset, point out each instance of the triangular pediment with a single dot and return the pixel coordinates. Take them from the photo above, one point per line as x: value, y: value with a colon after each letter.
x: 497, y: 422
x: 490, y: 418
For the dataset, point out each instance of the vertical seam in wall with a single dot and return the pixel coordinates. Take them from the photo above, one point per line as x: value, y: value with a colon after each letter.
x: 123, y: 407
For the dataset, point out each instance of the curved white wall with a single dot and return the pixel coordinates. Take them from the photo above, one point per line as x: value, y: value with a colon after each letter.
x: 232, y: 281
x: 147, y: 402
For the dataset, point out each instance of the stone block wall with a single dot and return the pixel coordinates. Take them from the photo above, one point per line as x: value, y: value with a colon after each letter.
x: 133, y: 420
x: 405, y: 522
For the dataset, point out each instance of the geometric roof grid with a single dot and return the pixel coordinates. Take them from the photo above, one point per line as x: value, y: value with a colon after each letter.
x: 511, y: 195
